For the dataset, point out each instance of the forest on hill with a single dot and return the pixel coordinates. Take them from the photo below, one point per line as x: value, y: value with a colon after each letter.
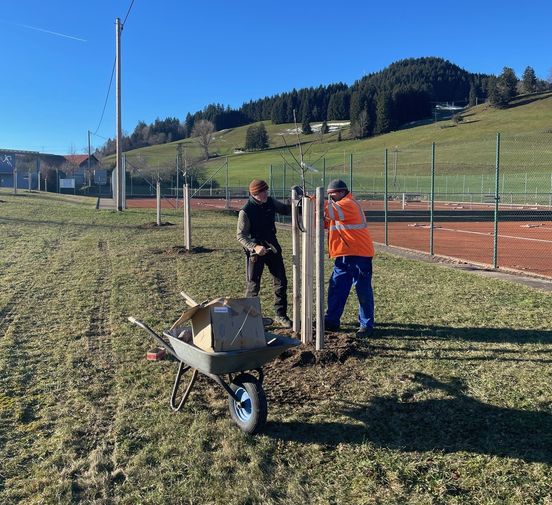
x: 403, y: 92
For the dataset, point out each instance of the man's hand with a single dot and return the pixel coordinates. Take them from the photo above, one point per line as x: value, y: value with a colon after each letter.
x: 260, y: 250
x: 298, y: 191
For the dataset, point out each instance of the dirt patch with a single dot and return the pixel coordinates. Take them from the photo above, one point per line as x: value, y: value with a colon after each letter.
x: 177, y: 250
x: 338, y: 348
x: 153, y: 224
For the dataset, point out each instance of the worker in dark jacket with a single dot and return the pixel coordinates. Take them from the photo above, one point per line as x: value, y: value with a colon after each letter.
x: 256, y: 232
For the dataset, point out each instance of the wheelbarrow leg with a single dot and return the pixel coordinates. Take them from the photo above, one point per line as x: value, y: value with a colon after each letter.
x: 182, y: 368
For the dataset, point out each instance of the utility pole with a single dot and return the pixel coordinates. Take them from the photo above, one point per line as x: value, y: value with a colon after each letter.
x: 89, y: 174
x: 119, y: 199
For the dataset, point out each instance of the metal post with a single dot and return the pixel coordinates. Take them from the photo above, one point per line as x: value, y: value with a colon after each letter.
x: 432, y: 206
x: 319, y: 268
x: 227, y: 205
x: 351, y: 172
x: 89, y: 173
x: 497, y: 197
x: 177, y: 181
x: 324, y: 172
x: 385, y: 197
x: 285, y: 188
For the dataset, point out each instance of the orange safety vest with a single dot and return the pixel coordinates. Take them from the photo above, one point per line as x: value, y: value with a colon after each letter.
x: 348, y: 233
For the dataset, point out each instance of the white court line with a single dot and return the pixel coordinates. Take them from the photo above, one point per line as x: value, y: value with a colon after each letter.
x: 499, y: 235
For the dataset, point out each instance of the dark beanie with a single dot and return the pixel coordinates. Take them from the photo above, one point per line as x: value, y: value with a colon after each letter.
x: 256, y: 186
x: 337, y: 185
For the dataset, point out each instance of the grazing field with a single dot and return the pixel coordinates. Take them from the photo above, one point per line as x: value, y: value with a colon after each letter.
x: 450, y: 402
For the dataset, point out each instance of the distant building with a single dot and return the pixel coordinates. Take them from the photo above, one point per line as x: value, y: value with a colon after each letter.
x: 27, y: 165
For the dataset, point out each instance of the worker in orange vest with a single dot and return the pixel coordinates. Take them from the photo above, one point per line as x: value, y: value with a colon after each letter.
x: 350, y: 244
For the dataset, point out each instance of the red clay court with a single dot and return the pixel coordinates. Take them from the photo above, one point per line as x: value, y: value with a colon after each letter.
x: 524, y: 245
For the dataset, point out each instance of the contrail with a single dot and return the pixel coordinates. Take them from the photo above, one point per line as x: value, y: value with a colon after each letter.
x: 46, y: 31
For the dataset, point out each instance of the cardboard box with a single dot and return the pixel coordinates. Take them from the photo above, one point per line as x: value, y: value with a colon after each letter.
x: 226, y: 324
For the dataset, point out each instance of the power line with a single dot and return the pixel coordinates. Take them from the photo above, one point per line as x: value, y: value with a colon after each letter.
x: 128, y: 12
x: 111, y: 80
x: 106, y: 98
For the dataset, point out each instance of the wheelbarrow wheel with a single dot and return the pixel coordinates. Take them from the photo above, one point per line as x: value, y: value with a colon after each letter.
x: 250, y: 413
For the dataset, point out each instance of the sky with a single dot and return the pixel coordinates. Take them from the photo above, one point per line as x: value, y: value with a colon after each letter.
x: 179, y: 55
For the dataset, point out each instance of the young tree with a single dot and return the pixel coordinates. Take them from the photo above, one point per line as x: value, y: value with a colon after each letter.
x: 529, y: 80
x: 324, y: 128
x: 203, y: 131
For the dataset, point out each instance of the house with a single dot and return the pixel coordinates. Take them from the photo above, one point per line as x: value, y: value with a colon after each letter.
x: 27, y: 165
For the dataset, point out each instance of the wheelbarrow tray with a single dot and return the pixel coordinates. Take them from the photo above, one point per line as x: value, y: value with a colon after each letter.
x: 220, y: 363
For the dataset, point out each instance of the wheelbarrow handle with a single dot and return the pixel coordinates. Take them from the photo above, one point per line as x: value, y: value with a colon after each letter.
x: 159, y: 340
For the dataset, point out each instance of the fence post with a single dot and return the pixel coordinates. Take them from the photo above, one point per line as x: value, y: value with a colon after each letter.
x: 270, y: 181
x: 497, y: 197
x: 432, y: 198
x: 385, y: 206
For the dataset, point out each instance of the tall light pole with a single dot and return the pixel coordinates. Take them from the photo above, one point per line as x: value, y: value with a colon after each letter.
x: 119, y: 199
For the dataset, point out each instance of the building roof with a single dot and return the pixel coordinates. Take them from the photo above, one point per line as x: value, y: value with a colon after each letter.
x: 79, y: 159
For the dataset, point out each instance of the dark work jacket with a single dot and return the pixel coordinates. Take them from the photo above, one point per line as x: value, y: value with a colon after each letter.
x: 262, y: 218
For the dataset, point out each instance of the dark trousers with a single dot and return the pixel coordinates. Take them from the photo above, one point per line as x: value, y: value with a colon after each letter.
x: 254, y: 271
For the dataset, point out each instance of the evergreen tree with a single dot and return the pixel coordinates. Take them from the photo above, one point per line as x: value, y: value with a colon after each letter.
x: 493, y: 93
x: 256, y: 138
x: 507, y: 85
x: 306, y: 127
x: 473, y: 95
x: 529, y: 80
x: 383, y: 113
x: 262, y: 137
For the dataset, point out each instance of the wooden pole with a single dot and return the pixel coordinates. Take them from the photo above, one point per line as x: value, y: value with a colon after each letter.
x: 158, y: 195
x: 307, y: 271
x: 320, y: 268
x: 187, y: 219
x: 295, y: 258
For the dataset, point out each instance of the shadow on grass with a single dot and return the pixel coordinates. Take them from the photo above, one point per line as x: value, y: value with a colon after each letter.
x: 471, y: 334
x: 40, y: 223
x: 456, y: 423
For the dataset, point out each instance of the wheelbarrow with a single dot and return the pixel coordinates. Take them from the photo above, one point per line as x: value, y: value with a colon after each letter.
x: 246, y: 397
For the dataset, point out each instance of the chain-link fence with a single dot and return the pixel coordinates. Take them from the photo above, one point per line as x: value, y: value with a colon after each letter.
x: 488, y: 200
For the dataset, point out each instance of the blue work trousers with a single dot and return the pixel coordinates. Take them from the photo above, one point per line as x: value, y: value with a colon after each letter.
x: 348, y: 271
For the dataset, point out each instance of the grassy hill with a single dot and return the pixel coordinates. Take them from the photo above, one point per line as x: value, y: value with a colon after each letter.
x: 464, y: 149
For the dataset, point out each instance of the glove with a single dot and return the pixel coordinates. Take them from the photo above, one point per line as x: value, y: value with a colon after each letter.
x: 298, y: 191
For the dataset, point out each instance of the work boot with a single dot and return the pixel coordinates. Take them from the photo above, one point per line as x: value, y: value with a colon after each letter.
x: 364, y: 332
x: 283, y: 321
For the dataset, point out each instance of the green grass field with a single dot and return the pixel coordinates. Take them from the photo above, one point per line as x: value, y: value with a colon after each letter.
x: 467, y: 149
x: 450, y: 403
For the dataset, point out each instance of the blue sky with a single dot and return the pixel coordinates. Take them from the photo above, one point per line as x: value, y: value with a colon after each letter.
x: 179, y: 56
